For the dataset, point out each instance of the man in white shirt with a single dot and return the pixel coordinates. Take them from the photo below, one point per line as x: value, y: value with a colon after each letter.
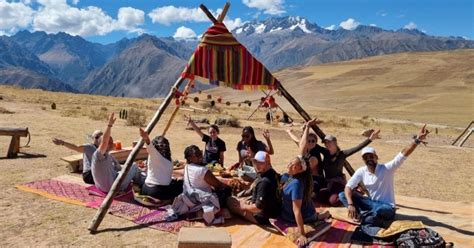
x: 378, y: 179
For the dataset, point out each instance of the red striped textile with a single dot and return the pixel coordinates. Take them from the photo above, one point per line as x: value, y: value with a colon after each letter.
x: 221, y: 60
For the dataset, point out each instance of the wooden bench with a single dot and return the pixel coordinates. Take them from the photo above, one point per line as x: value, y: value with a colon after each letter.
x: 75, y: 161
x: 16, y: 133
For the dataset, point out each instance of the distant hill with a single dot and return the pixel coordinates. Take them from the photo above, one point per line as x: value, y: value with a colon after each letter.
x: 146, y: 66
x: 424, y: 87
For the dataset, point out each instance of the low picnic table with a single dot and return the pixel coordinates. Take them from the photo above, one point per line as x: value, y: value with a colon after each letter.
x: 15, y: 133
x: 75, y: 161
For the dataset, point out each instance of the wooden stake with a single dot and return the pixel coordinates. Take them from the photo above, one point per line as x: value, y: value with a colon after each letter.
x: 208, y: 13
x: 465, y: 138
x: 175, y: 111
x: 221, y: 17
x: 99, y: 216
x: 462, y: 134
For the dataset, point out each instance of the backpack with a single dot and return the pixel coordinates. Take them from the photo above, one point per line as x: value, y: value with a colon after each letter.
x: 425, y: 237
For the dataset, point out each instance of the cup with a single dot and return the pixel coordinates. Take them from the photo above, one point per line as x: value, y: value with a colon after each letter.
x: 118, y: 145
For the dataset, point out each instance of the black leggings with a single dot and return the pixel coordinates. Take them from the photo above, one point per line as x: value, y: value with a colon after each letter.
x: 163, y: 192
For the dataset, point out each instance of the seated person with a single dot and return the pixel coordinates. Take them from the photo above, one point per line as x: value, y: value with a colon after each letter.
x: 378, y: 179
x: 158, y: 182
x: 297, y: 205
x: 313, y: 154
x: 199, y: 189
x: 250, y: 143
x: 333, y: 165
x: 215, y: 147
x: 264, y: 203
x: 105, y: 168
x: 87, y: 150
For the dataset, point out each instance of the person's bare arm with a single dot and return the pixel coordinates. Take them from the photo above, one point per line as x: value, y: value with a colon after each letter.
x: 304, y: 140
x: 266, y: 135
x: 213, y: 181
x: 193, y: 125
x: 145, y: 136
x: 293, y: 136
x: 421, y: 137
x: 299, y: 220
x: 221, y: 158
x: 71, y: 146
x: 106, y: 136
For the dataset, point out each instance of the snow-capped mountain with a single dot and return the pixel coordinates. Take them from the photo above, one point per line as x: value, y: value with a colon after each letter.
x: 290, y: 23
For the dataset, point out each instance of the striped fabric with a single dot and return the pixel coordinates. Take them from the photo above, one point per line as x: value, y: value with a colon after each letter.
x: 221, y: 60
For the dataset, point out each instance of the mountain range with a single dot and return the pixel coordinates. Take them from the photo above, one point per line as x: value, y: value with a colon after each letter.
x: 146, y: 66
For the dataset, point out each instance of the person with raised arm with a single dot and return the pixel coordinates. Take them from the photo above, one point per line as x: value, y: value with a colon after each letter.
x: 215, y: 147
x: 159, y: 183
x: 87, y: 150
x: 378, y: 179
x: 105, y: 168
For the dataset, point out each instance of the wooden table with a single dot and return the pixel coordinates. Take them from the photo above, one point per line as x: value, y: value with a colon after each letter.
x: 15, y: 133
x: 75, y: 161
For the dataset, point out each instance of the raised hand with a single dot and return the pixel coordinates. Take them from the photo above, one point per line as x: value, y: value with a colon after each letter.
x: 58, y: 141
x: 314, y: 122
x: 375, y: 135
x: 145, y: 136
x: 266, y: 134
x: 111, y: 119
x: 423, y: 133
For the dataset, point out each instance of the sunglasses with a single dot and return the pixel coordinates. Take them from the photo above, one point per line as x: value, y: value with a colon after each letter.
x: 245, y: 136
x: 311, y: 141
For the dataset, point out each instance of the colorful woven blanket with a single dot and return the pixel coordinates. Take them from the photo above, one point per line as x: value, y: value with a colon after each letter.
x: 222, y: 60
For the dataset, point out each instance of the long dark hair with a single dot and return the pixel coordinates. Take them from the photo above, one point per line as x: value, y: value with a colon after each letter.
x: 253, y: 141
x: 165, y: 151
x: 307, y: 179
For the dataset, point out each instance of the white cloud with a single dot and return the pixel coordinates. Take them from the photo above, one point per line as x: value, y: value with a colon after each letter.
x: 233, y: 24
x: 171, y: 14
x: 373, y: 25
x: 271, y: 7
x: 75, y: 2
x: 184, y: 33
x: 410, y: 26
x: 349, y: 24
x: 14, y: 16
x: 332, y: 27
x: 56, y: 15
x: 128, y: 18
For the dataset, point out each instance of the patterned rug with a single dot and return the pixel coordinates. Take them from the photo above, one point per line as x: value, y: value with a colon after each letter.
x: 122, y: 206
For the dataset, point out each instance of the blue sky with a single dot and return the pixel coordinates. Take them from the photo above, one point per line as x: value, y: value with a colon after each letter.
x: 107, y: 21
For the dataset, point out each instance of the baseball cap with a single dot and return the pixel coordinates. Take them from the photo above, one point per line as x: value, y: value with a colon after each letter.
x: 260, y: 156
x: 368, y: 149
x: 330, y: 138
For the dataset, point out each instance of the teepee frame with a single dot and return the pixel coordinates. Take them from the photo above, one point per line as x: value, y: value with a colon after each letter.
x: 99, y: 216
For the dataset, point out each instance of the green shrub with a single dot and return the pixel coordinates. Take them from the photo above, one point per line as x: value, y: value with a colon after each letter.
x: 136, y: 118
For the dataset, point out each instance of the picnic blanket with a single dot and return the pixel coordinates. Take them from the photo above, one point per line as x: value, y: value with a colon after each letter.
x: 122, y: 206
x: 243, y: 234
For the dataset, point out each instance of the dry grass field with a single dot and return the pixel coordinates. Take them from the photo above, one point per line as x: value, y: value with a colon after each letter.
x: 350, y: 97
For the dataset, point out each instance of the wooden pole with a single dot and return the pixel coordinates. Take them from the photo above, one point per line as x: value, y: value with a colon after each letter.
x: 175, y: 111
x: 221, y: 17
x: 208, y: 13
x: 99, y: 216
x: 316, y: 129
x: 465, y: 130
x: 465, y: 138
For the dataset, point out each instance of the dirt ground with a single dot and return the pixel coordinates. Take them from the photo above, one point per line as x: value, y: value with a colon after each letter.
x: 438, y: 171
